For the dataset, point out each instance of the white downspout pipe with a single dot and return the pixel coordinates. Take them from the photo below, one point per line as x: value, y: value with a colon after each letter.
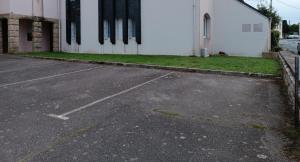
x: 43, y: 10
x: 32, y: 8
x: 270, y: 36
x: 59, y: 25
x: 194, y: 27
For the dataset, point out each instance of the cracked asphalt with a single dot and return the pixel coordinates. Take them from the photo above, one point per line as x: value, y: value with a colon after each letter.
x: 174, y: 117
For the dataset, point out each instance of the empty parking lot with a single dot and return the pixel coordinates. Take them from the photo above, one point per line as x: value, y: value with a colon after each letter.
x: 63, y: 111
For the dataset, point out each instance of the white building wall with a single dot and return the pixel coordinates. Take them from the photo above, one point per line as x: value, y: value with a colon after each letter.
x: 167, y: 28
x: 21, y: 7
x: 51, y: 9
x: 206, y: 7
x: 89, y: 28
x: 174, y: 30
x: 37, y: 8
x: 4, y: 6
x: 40, y: 8
x: 229, y: 15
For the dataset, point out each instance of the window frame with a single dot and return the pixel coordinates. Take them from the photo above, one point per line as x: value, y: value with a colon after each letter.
x: 206, y: 26
x: 246, y: 28
x: 258, y: 28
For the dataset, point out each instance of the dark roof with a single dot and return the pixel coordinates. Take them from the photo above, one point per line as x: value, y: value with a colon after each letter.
x: 246, y: 4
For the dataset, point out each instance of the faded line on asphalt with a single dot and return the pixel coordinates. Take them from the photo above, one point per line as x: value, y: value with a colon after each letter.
x: 46, y: 77
x: 31, y: 67
x: 64, y: 116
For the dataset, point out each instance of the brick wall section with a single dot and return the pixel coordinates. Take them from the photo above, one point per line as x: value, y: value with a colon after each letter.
x: 13, y: 35
x: 1, y: 45
x: 55, y: 37
x: 37, y: 36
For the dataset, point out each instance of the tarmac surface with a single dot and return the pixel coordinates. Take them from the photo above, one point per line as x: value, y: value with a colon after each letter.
x: 62, y: 111
x: 289, y: 44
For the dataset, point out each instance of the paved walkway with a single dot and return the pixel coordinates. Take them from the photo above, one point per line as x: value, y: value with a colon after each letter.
x: 289, y: 57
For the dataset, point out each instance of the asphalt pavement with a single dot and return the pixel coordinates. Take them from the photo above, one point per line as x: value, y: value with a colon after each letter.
x: 289, y: 44
x: 62, y: 111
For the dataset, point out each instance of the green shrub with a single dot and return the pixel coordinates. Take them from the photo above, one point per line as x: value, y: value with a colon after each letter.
x: 277, y: 49
x: 275, y: 37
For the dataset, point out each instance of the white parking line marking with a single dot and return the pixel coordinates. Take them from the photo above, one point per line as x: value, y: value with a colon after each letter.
x: 31, y: 67
x: 47, y: 77
x: 64, y: 115
x: 11, y: 61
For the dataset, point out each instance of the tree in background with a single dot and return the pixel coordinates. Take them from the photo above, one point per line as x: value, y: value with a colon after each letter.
x: 270, y: 13
x: 289, y: 29
x: 276, y: 19
x: 285, y: 28
x: 293, y: 29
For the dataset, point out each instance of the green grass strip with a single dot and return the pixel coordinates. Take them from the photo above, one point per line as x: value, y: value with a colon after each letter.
x: 236, y: 64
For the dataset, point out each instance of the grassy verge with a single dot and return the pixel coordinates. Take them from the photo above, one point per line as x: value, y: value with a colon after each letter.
x: 237, y: 64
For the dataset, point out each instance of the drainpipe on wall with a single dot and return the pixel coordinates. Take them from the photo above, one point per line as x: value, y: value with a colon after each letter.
x: 194, y: 27
x: 59, y: 24
x: 32, y: 8
x: 270, y: 36
x: 43, y: 8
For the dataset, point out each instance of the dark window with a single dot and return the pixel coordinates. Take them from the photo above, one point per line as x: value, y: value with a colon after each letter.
x: 4, y: 35
x: 29, y: 37
x: 129, y: 11
x: 73, y: 15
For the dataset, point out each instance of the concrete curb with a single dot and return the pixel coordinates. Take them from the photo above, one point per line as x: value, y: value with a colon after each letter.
x: 193, y: 70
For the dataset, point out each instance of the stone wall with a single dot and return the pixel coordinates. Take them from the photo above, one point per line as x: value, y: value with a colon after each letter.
x: 37, y: 36
x: 13, y: 35
x: 271, y: 55
x: 37, y: 33
x: 288, y: 78
x: 55, y: 37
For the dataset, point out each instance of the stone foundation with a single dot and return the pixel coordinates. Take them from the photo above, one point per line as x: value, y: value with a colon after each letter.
x: 37, y: 33
x: 37, y: 36
x: 13, y: 35
x: 55, y: 42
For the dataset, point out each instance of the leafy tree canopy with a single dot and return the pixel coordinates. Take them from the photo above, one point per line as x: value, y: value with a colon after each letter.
x: 270, y: 13
x: 294, y: 28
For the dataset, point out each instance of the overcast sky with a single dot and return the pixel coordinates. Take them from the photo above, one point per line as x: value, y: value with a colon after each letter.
x: 287, y: 9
